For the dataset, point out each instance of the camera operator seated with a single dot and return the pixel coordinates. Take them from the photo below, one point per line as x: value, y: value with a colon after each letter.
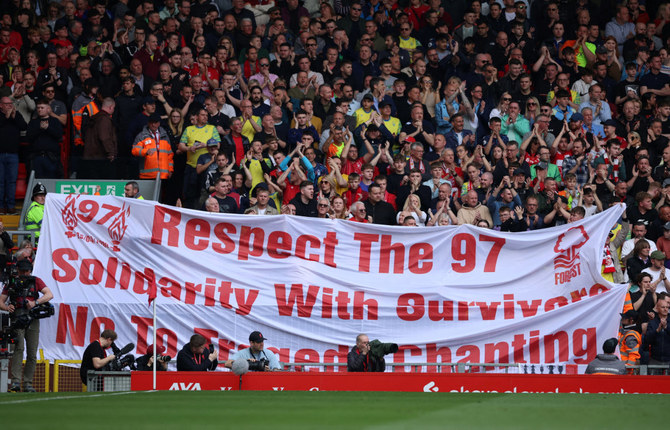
x: 146, y: 362
x: 196, y: 356
x: 95, y: 357
x: 256, y: 354
x: 26, y: 308
x: 368, y: 356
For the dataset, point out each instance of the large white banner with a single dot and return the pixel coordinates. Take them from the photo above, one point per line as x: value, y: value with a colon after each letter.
x: 444, y: 294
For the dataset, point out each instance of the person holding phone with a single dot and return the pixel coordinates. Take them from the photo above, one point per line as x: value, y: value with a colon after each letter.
x: 196, y: 356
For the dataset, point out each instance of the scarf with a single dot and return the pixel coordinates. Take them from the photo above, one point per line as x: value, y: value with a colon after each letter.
x: 614, y: 176
x: 608, y: 265
x: 420, y: 167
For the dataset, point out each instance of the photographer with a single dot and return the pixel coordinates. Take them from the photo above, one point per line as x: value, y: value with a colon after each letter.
x: 255, y: 353
x: 195, y: 356
x: 23, y: 292
x: 368, y: 356
x: 95, y: 357
x: 146, y: 362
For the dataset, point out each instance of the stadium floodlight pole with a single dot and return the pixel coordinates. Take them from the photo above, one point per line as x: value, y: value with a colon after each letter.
x: 154, y: 352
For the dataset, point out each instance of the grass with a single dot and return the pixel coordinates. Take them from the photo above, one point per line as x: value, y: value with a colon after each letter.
x: 328, y: 410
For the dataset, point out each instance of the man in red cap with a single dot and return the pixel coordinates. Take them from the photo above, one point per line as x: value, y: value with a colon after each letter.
x: 146, y: 362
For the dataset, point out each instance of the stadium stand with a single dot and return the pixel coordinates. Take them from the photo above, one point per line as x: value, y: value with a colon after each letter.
x: 515, y: 116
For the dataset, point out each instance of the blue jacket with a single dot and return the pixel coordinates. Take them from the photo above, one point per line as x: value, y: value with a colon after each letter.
x: 442, y: 116
x: 495, y: 205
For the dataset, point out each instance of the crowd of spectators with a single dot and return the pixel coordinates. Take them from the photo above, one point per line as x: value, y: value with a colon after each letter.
x: 510, y: 115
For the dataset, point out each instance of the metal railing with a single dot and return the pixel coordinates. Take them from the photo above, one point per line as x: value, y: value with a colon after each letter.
x: 650, y: 369
x: 19, y: 236
x: 108, y: 381
x: 414, y: 367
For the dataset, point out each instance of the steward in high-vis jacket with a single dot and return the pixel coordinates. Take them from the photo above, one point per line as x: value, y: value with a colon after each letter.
x: 153, y: 148
x: 629, y: 341
x: 83, y: 108
x: 35, y: 214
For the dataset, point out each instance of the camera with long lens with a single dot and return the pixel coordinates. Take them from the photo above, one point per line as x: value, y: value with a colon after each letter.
x: 163, y: 358
x: 122, y: 358
x: 19, y: 289
x: 6, y: 337
x: 258, y: 365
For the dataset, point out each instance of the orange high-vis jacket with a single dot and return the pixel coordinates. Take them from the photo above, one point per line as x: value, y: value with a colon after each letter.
x: 160, y: 162
x: 628, y: 303
x: 82, y: 106
x: 629, y: 348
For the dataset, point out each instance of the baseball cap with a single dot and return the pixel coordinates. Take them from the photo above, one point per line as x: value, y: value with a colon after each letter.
x: 601, y: 50
x: 667, y: 225
x: 368, y: 96
x: 629, y: 314
x: 159, y: 350
x: 519, y: 172
x: 666, y: 182
x: 212, y: 142
x: 541, y: 165
x: 384, y: 103
x: 576, y: 117
x: 410, y: 139
x: 610, y: 122
x: 657, y: 255
x: 154, y: 117
x: 256, y: 336
x: 149, y: 101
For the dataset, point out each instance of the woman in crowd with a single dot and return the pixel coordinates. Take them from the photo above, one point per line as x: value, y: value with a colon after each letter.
x: 640, y: 259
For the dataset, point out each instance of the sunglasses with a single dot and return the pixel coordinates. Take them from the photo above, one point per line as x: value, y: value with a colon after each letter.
x: 321, y: 205
x: 507, y: 99
x: 265, y: 65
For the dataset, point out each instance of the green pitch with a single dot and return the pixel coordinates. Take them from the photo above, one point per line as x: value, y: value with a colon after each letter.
x: 328, y: 410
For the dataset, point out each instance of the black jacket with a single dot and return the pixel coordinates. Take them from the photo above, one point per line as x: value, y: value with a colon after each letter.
x: 10, y: 129
x: 45, y: 140
x: 302, y: 209
x: 356, y: 362
x: 190, y: 362
x: 381, y: 212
